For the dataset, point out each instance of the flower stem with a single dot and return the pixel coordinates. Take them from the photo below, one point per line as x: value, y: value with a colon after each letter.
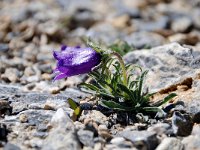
x: 122, y: 66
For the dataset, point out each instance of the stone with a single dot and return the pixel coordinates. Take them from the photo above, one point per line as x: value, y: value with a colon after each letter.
x: 126, y: 145
x: 62, y: 133
x: 196, y: 130
x: 140, y: 39
x: 5, y: 108
x: 120, y: 22
x: 155, y: 25
x: 141, y: 139
x: 36, y: 117
x: 181, y: 24
x: 91, y: 125
x: 49, y: 28
x: 190, y: 39
x: 41, y: 135
x: 168, y: 65
x: 33, y: 100
x: 10, y: 146
x: 104, y: 32
x: 131, y: 12
x: 117, y: 140
x: 54, y: 104
x: 29, y: 71
x: 196, y: 117
x: 170, y: 143
x: 159, y: 128
x: 84, y: 18
x: 182, y: 124
x: 4, y: 47
x: 59, y: 139
x: 195, y: 17
x: 61, y: 118
x: 79, y: 125
x: 3, y: 132
x: 86, y: 137
x: 42, y: 128
x: 94, y: 115
x: 23, y: 118
x: 12, y: 74
x: 191, y: 142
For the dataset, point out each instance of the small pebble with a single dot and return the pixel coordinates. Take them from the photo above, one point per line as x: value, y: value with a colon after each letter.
x: 23, y: 118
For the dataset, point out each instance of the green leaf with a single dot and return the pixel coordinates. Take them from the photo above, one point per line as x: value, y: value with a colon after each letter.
x: 114, y: 105
x: 72, y: 104
x: 141, y: 83
x: 77, y: 111
x: 127, y: 91
x: 89, y: 86
x: 133, y: 84
x: 104, y: 94
x: 106, y: 64
x: 152, y: 109
x: 166, y: 99
x: 145, y: 99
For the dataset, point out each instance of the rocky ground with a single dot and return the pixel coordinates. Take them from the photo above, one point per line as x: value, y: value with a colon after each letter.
x: 35, y: 114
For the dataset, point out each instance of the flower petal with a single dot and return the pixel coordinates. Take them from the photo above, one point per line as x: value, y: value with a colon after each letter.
x: 63, y: 47
x: 75, y: 60
x: 60, y: 76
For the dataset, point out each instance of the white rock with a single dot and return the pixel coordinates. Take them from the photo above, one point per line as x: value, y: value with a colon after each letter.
x: 60, y: 118
x: 117, y: 140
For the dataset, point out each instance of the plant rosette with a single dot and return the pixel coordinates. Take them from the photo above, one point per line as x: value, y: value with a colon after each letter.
x: 115, y: 84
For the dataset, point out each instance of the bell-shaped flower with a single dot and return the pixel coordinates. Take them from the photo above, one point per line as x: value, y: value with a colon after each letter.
x: 74, y: 61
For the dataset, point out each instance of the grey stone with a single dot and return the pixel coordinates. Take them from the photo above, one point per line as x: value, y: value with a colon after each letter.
x: 181, y: 24
x: 33, y: 100
x: 156, y: 25
x: 196, y: 118
x: 86, y: 137
x: 62, y: 134
x: 168, y: 64
x: 141, y: 39
x: 104, y: 32
x: 191, y: 142
x: 159, y: 128
x: 3, y: 132
x: 195, y: 16
x: 182, y: 124
x: 59, y: 139
x: 126, y: 145
x: 141, y: 139
x: 10, y: 146
x: 4, y: 47
x: 5, y: 108
x: 94, y: 115
x: 131, y: 12
x: 117, y: 140
x: 12, y: 74
x: 61, y: 118
x: 170, y: 143
x: 41, y: 135
x: 196, y: 130
x: 83, y: 18
x: 36, y: 117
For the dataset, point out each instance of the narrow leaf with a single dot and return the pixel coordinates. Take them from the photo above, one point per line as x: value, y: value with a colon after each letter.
x: 89, y: 86
x: 72, y: 104
x: 77, y: 111
x: 114, y: 105
x: 166, y: 99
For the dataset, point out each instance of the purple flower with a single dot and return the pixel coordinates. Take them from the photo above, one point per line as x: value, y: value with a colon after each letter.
x: 75, y: 60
